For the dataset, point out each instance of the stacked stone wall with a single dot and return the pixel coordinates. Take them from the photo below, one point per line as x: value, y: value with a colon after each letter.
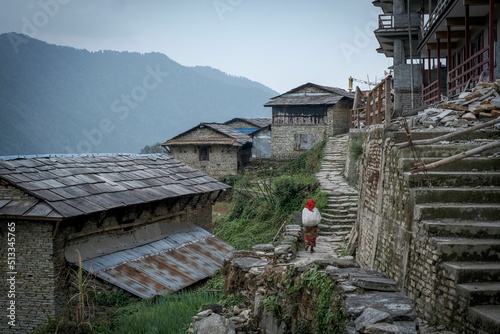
x: 28, y: 297
x: 223, y: 159
x: 283, y: 139
x: 392, y: 241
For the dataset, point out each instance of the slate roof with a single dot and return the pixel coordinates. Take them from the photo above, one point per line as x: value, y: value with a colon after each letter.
x: 329, y: 96
x: 232, y: 136
x: 257, y: 122
x: 64, y: 187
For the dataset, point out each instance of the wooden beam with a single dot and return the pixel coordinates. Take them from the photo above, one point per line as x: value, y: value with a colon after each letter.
x: 453, y: 34
x: 443, y: 45
x: 460, y: 21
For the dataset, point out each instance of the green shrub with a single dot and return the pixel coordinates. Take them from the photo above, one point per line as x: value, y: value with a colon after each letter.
x: 355, y: 148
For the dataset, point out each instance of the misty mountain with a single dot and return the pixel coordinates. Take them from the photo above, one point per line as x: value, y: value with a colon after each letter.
x: 58, y: 99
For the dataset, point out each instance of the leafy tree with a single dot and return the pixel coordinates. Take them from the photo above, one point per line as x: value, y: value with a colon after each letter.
x: 155, y: 148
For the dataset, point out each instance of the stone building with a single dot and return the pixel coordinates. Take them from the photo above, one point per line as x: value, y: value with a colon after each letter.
x: 213, y: 148
x: 439, y: 47
x: 307, y: 115
x: 138, y: 222
x: 260, y: 131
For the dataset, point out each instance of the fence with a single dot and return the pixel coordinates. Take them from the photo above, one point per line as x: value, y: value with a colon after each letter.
x: 372, y: 107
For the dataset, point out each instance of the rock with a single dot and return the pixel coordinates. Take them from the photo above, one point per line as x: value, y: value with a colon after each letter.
x: 469, y: 116
x: 495, y: 102
x: 382, y: 329
x: 374, y: 283
x: 397, y: 304
x: 263, y: 248
x: 246, y: 263
x: 406, y: 327
x: 369, y: 317
x: 347, y: 272
x: 214, y: 324
x: 338, y: 263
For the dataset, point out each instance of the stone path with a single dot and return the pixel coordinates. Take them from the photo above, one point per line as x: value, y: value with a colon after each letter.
x: 340, y: 214
x: 338, y: 218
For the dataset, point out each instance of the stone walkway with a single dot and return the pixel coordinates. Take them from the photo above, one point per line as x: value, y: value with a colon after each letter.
x: 341, y: 213
x: 332, y: 245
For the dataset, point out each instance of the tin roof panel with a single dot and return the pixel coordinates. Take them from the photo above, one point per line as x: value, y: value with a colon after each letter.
x: 186, y: 254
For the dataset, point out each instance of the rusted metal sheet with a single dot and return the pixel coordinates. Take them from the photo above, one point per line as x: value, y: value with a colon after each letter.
x: 184, y: 255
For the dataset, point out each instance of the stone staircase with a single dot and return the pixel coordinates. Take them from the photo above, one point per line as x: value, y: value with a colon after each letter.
x: 457, y: 208
x: 340, y: 214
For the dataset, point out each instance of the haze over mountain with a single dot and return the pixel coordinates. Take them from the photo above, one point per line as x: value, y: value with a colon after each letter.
x: 57, y: 99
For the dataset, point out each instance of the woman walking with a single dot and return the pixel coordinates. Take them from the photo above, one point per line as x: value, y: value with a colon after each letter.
x: 310, y: 220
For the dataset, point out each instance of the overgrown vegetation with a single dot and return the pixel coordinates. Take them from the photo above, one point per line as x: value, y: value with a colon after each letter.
x: 263, y: 198
x: 355, y: 148
x: 317, y: 291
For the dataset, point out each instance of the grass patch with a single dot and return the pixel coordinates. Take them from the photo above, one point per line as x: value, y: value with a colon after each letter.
x: 170, y: 314
x: 263, y: 198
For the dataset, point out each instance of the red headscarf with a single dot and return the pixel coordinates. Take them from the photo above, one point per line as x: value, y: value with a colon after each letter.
x: 310, y: 204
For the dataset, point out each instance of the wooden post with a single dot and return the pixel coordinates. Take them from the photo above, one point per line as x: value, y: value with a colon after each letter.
x: 439, y: 69
x: 378, y: 119
x: 491, y: 38
x: 368, y: 108
x: 388, y: 103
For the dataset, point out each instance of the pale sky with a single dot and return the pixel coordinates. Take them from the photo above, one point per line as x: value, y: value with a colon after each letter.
x: 279, y: 43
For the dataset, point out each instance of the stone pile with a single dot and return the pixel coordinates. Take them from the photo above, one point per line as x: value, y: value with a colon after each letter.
x: 480, y: 104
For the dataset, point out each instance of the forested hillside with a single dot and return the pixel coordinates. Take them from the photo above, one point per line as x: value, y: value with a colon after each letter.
x: 56, y: 99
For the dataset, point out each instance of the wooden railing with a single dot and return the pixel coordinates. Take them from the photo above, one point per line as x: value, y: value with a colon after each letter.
x: 431, y: 93
x: 467, y: 72
x: 374, y: 107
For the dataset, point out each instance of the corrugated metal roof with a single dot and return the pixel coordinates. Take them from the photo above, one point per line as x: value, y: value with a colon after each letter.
x: 76, y: 185
x: 184, y: 255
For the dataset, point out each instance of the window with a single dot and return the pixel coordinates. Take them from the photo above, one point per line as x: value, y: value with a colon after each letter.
x: 303, y: 141
x: 204, y: 152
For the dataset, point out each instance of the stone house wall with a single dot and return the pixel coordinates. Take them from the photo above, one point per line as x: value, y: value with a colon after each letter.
x: 223, y: 159
x: 34, y: 267
x: 44, y: 277
x: 283, y: 136
x: 390, y: 241
x: 283, y: 139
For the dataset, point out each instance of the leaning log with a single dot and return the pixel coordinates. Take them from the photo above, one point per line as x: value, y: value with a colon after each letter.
x: 423, y: 167
x: 449, y: 135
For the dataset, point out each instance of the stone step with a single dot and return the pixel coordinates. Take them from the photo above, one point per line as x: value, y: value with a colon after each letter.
x: 490, y: 163
x: 466, y: 249
x: 483, y: 194
x: 483, y: 293
x: 444, y: 151
x: 454, y: 179
x: 400, y: 136
x: 472, y: 272
x: 345, y: 201
x: 343, y: 227
x: 486, y: 317
x: 459, y: 211
x: 465, y: 229
x: 340, y: 219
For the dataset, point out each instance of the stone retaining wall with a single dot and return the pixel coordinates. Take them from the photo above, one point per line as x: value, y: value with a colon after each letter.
x: 389, y: 241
